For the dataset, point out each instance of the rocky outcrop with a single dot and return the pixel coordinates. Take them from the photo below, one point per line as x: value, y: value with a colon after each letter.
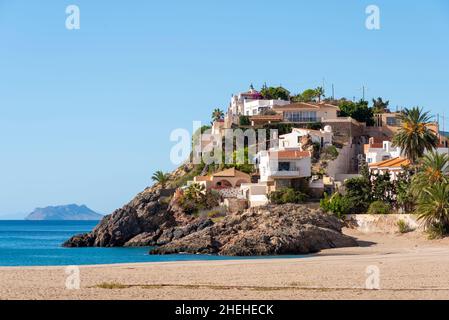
x: 271, y: 230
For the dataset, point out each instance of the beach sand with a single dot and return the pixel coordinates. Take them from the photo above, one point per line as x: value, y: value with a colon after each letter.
x: 410, y: 267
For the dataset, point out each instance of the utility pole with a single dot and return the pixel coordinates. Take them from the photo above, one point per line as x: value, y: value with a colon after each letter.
x: 333, y: 92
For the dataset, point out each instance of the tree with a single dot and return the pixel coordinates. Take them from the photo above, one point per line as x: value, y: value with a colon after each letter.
x: 414, y: 136
x: 274, y: 93
x: 307, y: 96
x: 405, y: 199
x: 383, y: 187
x: 161, y: 178
x: 358, y: 111
x: 433, y: 169
x: 433, y: 208
x: 380, y: 106
x: 319, y: 92
x: 358, y: 191
x: 217, y: 114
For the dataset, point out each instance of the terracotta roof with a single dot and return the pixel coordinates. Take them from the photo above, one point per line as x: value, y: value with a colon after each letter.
x: 231, y: 173
x: 305, y: 105
x: 398, y: 162
x: 277, y: 117
x: 202, y: 178
x: 291, y: 154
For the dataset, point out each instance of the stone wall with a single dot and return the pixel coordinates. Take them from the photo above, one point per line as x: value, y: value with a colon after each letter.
x: 370, y: 223
x: 229, y: 192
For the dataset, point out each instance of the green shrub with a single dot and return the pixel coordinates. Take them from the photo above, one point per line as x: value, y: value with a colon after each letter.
x: 403, y: 226
x: 338, y: 205
x: 437, y: 231
x: 330, y: 153
x: 287, y: 195
x: 379, y: 207
x: 195, y: 198
x: 244, y: 121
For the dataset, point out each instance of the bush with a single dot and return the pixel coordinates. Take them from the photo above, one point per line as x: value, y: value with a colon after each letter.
x: 379, y: 207
x: 338, y: 205
x: 244, y: 121
x: 194, y: 199
x: 287, y: 195
x: 403, y: 226
x: 330, y: 153
x: 436, y: 231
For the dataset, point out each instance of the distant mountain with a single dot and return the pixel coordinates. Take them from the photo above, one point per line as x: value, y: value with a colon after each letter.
x: 68, y: 212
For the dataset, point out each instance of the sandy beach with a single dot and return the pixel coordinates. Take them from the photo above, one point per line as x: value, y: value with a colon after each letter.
x: 410, y: 267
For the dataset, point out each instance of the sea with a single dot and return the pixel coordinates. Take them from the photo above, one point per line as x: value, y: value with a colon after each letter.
x: 39, y: 243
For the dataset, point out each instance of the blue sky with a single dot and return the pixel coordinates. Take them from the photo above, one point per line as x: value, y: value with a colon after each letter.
x: 85, y: 115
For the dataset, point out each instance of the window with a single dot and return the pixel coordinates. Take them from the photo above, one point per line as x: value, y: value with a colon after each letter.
x: 392, y: 121
x: 284, y: 166
x: 300, y: 116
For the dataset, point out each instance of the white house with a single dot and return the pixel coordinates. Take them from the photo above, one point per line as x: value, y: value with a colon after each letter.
x: 282, y: 168
x: 294, y: 139
x: 256, y: 107
x: 254, y: 193
x: 378, y: 150
x: 238, y: 101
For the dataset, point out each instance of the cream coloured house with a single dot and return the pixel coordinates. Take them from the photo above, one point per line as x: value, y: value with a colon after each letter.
x: 283, y: 168
x: 307, y: 112
x: 294, y: 140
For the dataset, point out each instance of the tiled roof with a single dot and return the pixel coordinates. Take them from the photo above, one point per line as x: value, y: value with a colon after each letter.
x: 305, y: 105
x: 391, y: 163
x: 231, y: 173
x: 291, y: 154
x: 277, y: 117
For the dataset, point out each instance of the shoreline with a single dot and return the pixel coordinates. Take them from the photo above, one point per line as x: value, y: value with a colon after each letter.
x: 410, y: 267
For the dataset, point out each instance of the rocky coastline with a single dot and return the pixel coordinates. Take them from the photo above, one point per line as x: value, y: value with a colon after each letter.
x: 150, y: 220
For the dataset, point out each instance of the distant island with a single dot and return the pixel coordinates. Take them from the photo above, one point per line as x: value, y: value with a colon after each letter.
x: 66, y: 212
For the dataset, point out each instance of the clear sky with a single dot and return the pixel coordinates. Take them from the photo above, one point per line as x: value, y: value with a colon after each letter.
x: 85, y: 115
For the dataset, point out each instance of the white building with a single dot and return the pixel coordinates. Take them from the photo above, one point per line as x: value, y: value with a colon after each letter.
x: 380, y: 150
x: 294, y: 139
x: 238, y: 101
x: 282, y: 168
x: 254, y: 193
x: 256, y: 107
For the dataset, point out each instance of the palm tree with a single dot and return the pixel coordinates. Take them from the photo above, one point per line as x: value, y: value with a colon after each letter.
x: 380, y: 106
x: 415, y: 137
x: 433, y: 169
x: 433, y: 207
x: 217, y: 114
x: 319, y: 93
x: 161, y: 178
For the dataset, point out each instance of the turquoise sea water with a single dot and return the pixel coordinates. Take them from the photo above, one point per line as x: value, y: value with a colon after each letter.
x: 38, y: 243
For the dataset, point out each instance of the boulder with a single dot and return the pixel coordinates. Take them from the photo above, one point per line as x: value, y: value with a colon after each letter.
x: 271, y: 230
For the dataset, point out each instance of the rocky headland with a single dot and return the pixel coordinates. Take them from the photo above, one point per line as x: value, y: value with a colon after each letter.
x: 153, y: 219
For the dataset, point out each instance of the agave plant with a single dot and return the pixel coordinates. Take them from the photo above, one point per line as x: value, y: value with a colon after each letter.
x: 433, y: 207
x: 195, y: 192
x: 415, y: 137
x: 161, y: 178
